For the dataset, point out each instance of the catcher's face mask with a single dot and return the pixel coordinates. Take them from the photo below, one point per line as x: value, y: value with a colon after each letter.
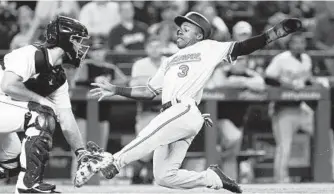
x: 80, y: 46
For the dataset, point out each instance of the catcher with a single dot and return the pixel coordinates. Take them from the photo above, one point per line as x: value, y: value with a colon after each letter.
x: 33, y: 98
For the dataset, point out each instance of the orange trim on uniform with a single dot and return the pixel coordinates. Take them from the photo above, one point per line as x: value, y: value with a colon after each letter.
x: 229, y: 52
x: 157, y: 129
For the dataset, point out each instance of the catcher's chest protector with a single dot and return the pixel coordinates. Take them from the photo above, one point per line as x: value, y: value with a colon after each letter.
x: 50, y: 77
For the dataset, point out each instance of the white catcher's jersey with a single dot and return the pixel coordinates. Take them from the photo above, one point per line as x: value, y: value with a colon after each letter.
x: 185, y: 73
x: 22, y: 62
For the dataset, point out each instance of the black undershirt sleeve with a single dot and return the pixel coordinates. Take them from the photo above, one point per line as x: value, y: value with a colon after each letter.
x: 248, y: 46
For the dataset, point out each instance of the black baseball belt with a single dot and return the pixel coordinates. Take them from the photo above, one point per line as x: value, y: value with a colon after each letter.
x: 168, y: 104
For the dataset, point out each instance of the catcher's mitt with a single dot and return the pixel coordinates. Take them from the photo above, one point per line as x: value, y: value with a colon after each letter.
x: 90, y: 162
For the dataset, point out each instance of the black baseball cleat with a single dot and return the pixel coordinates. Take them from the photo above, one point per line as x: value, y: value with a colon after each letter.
x: 38, y: 188
x: 110, y: 171
x: 228, y: 183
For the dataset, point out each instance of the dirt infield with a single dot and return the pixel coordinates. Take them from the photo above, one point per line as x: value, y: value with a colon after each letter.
x: 248, y: 189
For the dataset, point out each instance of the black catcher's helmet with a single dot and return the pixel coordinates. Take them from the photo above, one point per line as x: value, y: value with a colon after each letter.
x: 68, y: 34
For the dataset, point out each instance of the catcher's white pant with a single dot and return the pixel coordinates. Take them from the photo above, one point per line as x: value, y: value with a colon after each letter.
x: 169, y: 135
x: 11, y: 121
x: 10, y: 148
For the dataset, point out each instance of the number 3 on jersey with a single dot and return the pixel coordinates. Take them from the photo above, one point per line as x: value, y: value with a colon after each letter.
x: 183, y: 71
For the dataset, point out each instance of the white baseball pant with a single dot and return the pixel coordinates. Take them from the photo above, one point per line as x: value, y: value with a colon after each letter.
x: 11, y: 121
x: 169, y: 135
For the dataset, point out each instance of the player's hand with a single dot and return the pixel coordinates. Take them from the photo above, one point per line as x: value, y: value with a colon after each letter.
x: 104, y: 89
x: 207, y: 120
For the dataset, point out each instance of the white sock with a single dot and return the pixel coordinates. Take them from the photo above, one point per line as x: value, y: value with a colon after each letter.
x: 212, y: 180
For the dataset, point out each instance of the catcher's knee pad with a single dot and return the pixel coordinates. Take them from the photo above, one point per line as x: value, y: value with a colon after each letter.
x: 36, y: 147
x: 45, y: 122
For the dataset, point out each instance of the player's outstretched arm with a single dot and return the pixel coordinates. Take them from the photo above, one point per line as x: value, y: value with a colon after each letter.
x: 106, y: 89
x: 282, y: 29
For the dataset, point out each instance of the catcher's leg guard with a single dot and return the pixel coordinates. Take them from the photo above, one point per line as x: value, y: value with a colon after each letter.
x: 35, y: 154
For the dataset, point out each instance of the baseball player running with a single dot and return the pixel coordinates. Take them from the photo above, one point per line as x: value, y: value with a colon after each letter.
x: 181, y: 79
x: 34, y: 97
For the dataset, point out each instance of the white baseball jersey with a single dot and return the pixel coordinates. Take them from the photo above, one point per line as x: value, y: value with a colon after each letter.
x: 185, y: 73
x: 22, y: 62
x: 286, y: 67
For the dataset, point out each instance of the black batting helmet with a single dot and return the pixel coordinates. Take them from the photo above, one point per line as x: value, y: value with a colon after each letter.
x: 68, y: 34
x: 196, y: 19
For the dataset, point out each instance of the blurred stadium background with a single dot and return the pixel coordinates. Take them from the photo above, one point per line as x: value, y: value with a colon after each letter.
x: 114, y: 50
